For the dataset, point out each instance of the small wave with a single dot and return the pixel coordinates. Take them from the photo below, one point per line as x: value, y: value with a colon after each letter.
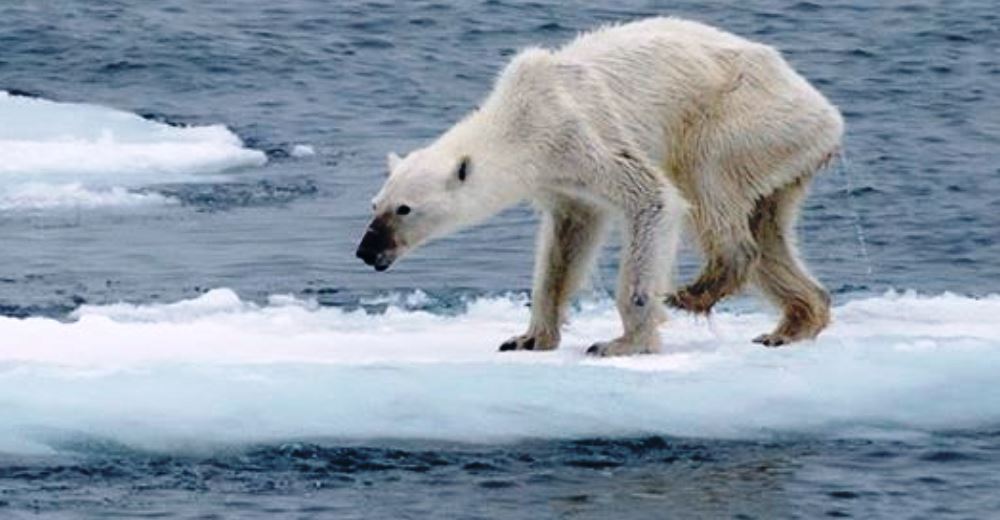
x: 39, y: 196
x: 302, y: 150
x: 219, y: 369
x: 223, y: 196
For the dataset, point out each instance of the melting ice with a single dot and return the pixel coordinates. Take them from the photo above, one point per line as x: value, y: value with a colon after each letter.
x: 218, y: 369
x: 81, y: 155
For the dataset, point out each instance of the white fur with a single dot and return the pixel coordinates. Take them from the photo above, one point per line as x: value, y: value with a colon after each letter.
x: 392, y: 160
x: 646, y: 121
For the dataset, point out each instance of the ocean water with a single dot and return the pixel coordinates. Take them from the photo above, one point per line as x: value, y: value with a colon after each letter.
x: 185, y: 332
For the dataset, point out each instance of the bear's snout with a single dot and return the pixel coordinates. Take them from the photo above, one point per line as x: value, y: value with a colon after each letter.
x: 377, y: 246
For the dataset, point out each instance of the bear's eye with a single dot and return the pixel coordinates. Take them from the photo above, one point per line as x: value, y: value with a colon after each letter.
x: 403, y: 210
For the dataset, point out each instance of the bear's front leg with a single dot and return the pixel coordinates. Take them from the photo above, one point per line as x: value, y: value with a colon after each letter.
x: 568, y: 240
x: 652, y: 230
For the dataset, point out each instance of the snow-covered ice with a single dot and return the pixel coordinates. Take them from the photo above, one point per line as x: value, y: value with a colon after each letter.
x: 81, y: 155
x: 218, y: 369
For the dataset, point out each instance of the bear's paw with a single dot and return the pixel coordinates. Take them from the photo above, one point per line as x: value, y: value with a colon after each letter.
x: 623, y: 347
x: 530, y: 341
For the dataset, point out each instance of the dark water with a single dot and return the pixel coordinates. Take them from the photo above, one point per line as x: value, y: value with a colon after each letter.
x: 917, y: 83
x: 648, y: 477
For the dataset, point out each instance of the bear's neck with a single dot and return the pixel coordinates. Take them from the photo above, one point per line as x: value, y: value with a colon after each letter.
x: 509, y: 165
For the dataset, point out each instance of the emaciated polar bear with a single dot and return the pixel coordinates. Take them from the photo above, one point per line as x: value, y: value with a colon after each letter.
x: 658, y: 122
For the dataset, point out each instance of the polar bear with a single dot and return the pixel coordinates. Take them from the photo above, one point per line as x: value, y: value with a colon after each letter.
x: 657, y: 124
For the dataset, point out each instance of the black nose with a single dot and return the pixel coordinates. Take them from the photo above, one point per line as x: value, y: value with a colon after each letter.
x: 366, y: 255
x: 376, y: 242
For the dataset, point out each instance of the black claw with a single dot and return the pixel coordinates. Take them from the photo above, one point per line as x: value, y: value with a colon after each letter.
x: 769, y: 341
x: 530, y: 344
x: 594, y: 350
x: 510, y: 345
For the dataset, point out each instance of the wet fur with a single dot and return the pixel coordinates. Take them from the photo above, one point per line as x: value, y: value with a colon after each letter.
x: 653, y: 124
x: 742, y: 170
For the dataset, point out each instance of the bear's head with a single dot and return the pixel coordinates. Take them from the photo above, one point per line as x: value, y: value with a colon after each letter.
x: 428, y: 194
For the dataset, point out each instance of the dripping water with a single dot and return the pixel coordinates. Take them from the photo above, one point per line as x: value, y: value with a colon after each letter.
x: 859, y: 229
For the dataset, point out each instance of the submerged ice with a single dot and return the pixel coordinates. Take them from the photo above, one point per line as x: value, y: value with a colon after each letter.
x: 218, y: 369
x: 73, y: 154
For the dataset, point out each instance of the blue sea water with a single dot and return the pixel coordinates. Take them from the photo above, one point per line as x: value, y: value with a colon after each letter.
x: 913, y: 205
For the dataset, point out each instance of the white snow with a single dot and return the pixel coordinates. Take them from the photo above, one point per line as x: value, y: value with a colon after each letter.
x: 92, y: 150
x: 217, y: 369
x: 39, y: 196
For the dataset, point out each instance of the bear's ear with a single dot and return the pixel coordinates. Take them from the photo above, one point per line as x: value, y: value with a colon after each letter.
x: 464, y: 168
x: 392, y: 161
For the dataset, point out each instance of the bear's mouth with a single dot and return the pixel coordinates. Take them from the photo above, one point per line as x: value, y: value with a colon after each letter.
x: 380, y: 261
x: 378, y: 246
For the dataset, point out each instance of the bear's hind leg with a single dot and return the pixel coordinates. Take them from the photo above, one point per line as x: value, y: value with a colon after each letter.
x: 780, y: 274
x: 568, y: 240
x: 731, y: 253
